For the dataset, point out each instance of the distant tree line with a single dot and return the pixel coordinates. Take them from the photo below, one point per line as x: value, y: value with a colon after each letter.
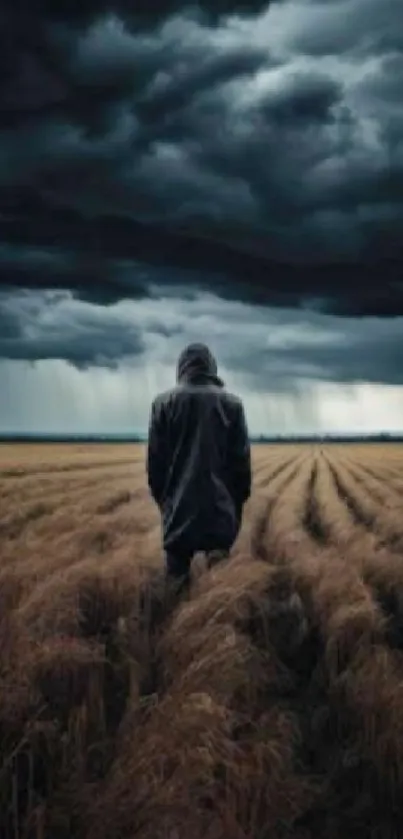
x: 330, y: 438
x: 279, y: 439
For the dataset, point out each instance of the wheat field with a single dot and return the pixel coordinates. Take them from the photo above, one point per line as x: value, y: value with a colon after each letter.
x: 268, y: 705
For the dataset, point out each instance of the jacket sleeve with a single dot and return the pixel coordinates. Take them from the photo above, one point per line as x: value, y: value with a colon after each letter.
x: 156, y: 452
x: 240, y: 458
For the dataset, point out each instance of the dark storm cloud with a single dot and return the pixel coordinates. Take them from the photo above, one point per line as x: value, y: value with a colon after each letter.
x: 80, y: 14
x: 39, y: 327
x: 338, y: 27
x: 283, y: 349
x: 263, y: 158
x: 280, y: 348
x: 374, y: 356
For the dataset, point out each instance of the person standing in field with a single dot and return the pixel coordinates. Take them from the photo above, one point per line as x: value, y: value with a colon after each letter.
x: 198, y: 463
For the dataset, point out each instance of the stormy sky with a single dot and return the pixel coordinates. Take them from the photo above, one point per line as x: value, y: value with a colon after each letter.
x: 223, y: 171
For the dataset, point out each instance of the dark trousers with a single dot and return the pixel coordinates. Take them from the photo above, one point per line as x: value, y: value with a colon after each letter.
x: 178, y: 564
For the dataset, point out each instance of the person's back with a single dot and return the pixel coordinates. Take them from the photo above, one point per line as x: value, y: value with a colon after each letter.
x: 198, y: 461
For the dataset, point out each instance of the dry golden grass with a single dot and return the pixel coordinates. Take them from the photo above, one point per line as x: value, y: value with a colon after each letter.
x: 269, y: 705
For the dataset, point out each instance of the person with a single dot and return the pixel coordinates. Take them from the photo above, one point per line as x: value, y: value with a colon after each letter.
x: 198, y: 464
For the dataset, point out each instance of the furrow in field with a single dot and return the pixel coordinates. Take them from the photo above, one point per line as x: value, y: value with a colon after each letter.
x: 21, y: 472
x: 285, y: 525
x: 397, y: 471
x: 264, y: 461
x: 372, y: 568
x: 62, y: 496
x: 382, y: 487
x: 268, y: 471
x: 268, y: 479
x: 339, y: 597
x: 57, y: 483
x: 366, y: 512
x: 77, y: 529
x: 386, y: 506
x: 13, y: 526
x: 343, y: 487
x: 341, y: 526
x: 375, y: 480
x: 66, y: 511
x: 257, y: 511
x: 314, y: 522
x: 383, y: 572
x: 359, y: 546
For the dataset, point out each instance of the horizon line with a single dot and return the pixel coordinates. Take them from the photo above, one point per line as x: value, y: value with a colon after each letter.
x: 141, y: 435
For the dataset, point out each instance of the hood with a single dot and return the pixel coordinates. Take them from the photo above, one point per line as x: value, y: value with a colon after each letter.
x: 197, y: 364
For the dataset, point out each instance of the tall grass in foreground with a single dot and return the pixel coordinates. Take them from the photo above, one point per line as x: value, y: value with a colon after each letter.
x: 268, y: 705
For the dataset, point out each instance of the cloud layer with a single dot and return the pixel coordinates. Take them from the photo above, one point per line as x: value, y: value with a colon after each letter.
x: 259, y: 156
x: 281, y: 349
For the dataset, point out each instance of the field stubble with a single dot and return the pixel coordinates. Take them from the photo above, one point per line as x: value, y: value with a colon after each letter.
x: 268, y: 705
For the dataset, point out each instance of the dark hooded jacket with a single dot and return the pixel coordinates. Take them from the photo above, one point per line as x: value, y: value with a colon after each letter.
x: 198, y: 457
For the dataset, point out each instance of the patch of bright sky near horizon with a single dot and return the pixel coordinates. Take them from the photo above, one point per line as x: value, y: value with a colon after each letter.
x: 54, y: 397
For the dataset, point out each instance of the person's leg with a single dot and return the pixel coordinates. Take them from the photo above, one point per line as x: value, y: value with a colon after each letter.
x: 215, y: 557
x: 178, y: 570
